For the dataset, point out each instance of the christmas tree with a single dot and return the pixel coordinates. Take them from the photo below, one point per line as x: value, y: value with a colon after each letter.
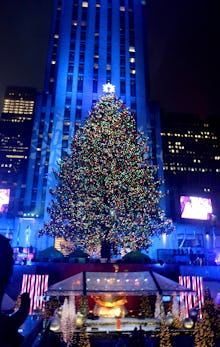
x: 146, y: 306
x: 50, y: 307
x: 164, y: 334
x: 204, y: 336
x: 68, y: 320
x: 83, y: 306
x: 210, y: 309
x: 175, y: 306
x: 107, y: 190
x: 84, y: 338
x: 159, y: 308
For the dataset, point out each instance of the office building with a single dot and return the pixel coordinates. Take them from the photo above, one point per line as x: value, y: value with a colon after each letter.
x: 191, y: 159
x: 15, y: 132
x: 92, y: 43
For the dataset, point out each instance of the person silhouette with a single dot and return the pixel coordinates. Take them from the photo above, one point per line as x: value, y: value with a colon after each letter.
x: 9, y: 324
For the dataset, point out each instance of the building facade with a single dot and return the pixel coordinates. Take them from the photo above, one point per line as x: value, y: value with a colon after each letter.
x: 92, y: 43
x: 191, y: 159
x: 191, y: 165
x: 15, y: 132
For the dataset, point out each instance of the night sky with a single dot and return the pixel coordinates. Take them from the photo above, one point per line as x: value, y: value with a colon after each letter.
x: 183, y: 45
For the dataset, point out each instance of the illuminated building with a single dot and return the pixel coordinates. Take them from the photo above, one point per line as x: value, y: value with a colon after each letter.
x: 191, y: 158
x: 92, y: 43
x: 15, y: 132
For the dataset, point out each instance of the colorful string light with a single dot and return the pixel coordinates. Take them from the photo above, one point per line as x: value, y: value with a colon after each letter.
x: 107, y: 186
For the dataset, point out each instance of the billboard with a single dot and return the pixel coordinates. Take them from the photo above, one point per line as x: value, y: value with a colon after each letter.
x: 4, y: 200
x: 195, y: 207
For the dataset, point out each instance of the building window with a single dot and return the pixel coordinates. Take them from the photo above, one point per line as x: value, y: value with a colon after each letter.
x: 133, y: 88
x: 78, y: 114
x: 69, y: 84
x: 80, y: 84
x: 81, y: 68
x: 122, y: 87
x: 95, y: 85
x: 79, y: 102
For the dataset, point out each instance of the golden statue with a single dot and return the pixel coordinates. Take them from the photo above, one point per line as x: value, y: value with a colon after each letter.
x: 108, y: 305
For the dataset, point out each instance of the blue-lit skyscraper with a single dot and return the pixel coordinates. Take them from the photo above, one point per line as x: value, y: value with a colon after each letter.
x: 91, y: 43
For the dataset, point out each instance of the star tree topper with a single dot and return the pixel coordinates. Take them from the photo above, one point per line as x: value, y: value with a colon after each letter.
x: 108, y: 88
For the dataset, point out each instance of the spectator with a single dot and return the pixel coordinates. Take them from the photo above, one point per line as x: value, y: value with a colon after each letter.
x: 148, y: 340
x: 120, y: 342
x: 9, y: 336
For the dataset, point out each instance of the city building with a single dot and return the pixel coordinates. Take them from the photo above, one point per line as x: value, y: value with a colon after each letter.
x: 15, y: 132
x: 100, y: 43
x: 92, y: 44
x: 191, y: 165
x: 191, y: 159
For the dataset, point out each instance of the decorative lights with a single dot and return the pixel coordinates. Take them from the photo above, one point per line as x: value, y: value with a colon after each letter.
x: 108, y: 88
x: 107, y: 187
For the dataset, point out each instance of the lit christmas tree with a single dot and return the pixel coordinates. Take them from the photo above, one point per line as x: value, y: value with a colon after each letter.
x: 159, y: 309
x: 50, y: 307
x: 204, y: 336
x: 175, y: 306
x: 183, y: 312
x: 210, y: 309
x: 108, y: 190
x: 68, y: 320
x: 146, y: 306
x: 177, y: 323
x: 84, y: 338
x: 83, y: 306
x: 164, y: 334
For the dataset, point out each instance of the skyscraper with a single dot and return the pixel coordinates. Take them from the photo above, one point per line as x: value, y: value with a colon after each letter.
x: 191, y: 158
x: 92, y: 43
x: 16, y: 127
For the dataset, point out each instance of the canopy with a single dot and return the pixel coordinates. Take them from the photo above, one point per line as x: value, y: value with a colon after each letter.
x: 120, y: 283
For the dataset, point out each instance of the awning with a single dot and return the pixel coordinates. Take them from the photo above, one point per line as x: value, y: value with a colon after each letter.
x: 120, y: 283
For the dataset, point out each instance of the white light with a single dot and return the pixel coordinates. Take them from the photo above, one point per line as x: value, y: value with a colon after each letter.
x: 108, y: 88
x: 164, y: 238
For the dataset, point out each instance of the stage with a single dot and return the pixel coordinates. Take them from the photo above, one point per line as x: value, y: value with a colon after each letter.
x: 110, y: 325
x: 126, y: 324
